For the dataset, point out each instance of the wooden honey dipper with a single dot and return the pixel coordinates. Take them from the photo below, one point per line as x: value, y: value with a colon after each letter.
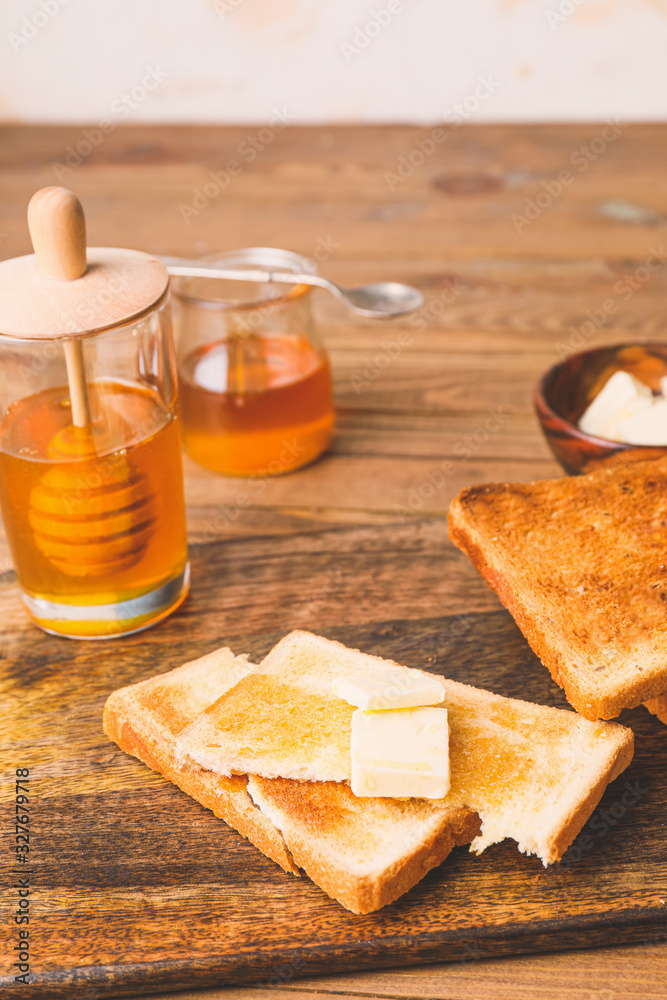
x: 91, y: 514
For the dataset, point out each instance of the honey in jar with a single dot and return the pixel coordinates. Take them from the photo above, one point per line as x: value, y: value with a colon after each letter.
x: 255, y: 382
x: 90, y: 516
x: 91, y: 483
x: 257, y: 405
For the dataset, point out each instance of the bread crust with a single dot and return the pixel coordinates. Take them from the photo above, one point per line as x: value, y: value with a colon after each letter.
x: 474, y: 535
x: 365, y: 894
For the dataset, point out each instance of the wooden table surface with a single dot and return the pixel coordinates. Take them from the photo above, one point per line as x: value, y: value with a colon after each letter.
x: 518, y: 263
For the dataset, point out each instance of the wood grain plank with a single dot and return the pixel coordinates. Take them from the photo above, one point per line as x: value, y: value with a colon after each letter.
x: 578, y: 975
x: 337, y: 574
x: 308, y: 179
x: 435, y: 381
x: 395, y: 484
x: 439, y: 436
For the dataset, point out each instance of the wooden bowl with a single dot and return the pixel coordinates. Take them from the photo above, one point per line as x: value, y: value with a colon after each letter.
x: 564, y: 392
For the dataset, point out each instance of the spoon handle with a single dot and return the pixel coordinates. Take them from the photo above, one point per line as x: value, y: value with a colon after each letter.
x: 244, y: 274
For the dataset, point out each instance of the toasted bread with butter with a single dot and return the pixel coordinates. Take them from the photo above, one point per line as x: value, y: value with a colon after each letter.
x: 526, y: 769
x: 529, y: 772
x: 581, y: 564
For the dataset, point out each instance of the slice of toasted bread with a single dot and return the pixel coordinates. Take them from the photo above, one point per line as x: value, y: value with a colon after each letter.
x: 581, y: 564
x: 532, y: 773
x: 145, y: 719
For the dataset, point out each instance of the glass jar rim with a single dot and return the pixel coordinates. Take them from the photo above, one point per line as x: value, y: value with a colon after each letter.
x: 260, y: 257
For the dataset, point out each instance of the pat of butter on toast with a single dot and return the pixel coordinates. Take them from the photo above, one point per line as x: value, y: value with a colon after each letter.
x: 390, y: 688
x: 400, y: 753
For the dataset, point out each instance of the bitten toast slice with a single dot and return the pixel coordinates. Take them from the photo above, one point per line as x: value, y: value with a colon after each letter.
x: 531, y: 773
x: 364, y: 853
x: 581, y: 564
x: 367, y: 852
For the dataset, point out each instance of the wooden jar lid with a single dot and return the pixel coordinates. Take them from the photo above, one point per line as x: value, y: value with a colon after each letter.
x: 64, y: 291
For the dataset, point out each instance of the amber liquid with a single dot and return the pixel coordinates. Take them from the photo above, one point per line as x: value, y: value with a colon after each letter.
x: 256, y: 405
x: 93, y: 517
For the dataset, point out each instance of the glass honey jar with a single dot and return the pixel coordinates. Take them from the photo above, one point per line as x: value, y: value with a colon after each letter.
x: 91, y: 482
x: 255, y: 380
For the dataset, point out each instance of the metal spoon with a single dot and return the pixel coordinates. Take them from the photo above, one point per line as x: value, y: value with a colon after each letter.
x: 381, y: 300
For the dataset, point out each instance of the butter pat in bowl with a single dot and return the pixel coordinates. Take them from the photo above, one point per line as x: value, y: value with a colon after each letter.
x: 605, y: 406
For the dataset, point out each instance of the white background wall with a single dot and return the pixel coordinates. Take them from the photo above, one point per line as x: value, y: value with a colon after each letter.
x: 329, y: 60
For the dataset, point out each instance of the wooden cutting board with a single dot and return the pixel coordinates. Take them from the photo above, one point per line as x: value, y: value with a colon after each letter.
x: 137, y: 888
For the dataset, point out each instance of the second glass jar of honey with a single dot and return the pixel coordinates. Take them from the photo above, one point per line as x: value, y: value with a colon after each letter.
x: 255, y: 381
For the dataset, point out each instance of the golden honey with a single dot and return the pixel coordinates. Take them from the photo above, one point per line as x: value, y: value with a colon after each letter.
x: 92, y: 516
x: 259, y: 404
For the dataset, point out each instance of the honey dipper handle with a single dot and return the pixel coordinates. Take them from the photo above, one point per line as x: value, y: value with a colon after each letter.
x: 76, y: 377
x: 58, y: 231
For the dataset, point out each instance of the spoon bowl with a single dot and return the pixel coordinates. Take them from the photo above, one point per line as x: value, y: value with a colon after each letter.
x: 383, y: 299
